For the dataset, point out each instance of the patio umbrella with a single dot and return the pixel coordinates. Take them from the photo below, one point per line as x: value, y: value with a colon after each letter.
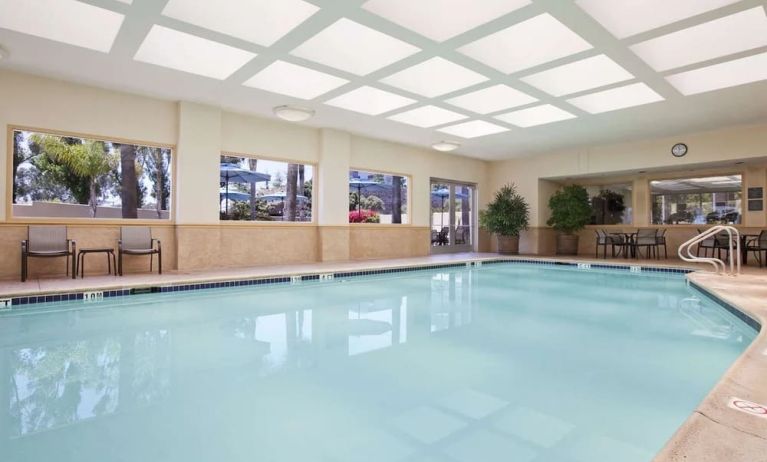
x: 442, y: 193
x: 360, y: 185
x: 233, y: 173
x: 235, y: 196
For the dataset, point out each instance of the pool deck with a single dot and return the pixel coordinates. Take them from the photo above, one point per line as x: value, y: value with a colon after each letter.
x: 714, y: 432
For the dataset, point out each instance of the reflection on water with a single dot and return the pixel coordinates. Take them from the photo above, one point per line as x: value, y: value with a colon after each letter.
x: 444, y: 365
x: 57, y: 385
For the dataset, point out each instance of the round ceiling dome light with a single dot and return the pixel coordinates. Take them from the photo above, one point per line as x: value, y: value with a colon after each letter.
x: 293, y: 113
x: 446, y: 146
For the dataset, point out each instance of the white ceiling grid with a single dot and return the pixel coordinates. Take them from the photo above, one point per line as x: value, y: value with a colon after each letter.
x: 503, y: 77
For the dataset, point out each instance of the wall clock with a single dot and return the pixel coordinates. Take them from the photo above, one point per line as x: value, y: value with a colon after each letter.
x: 679, y: 150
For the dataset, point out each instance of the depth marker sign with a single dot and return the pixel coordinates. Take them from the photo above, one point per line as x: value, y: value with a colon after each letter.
x: 749, y: 407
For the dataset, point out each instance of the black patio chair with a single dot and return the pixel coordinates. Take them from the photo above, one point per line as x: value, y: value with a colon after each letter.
x: 758, y: 245
x: 706, y: 244
x: 605, y: 239
x: 137, y: 240
x: 647, y: 238
x: 47, y: 242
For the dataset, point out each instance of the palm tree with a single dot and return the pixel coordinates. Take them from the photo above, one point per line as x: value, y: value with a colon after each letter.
x: 252, y: 164
x: 291, y: 193
x: 89, y: 160
x: 128, y: 181
x: 396, y: 199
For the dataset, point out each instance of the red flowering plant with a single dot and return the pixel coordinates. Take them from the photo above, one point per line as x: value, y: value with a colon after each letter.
x: 364, y: 216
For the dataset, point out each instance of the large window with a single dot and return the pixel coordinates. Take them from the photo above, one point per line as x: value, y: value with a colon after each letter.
x: 611, y: 204
x: 709, y: 200
x: 264, y: 190
x: 57, y: 176
x: 377, y: 198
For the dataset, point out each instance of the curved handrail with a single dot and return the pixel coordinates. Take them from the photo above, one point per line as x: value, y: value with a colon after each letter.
x: 719, y: 265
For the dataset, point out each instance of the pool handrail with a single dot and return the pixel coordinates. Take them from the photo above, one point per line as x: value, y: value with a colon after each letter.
x: 719, y: 266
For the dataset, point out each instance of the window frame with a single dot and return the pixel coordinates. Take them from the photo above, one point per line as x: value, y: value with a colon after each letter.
x: 252, y: 223
x: 409, y: 196
x: 689, y: 175
x: 10, y: 178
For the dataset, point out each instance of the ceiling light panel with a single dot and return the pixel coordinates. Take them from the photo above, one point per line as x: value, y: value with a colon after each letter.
x: 492, y: 99
x: 721, y: 37
x: 292, y: 80
x: 616, y: 98
x: 582, y: 75
x: 442, y: 19
x: 258, y: 21
x: 369, y: 100
x: 65, y: 21
x: 434, y: 77
x: 526, y: 44
x: 538, y: 115
x: 624, y: 19
x: 427, y: 116
x: 473, y: 129
x: 728, y: 74
x: 189, y: 53
x: 354, y: 48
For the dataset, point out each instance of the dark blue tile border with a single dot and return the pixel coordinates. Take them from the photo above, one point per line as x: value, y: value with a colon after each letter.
x: 751, y: 322
x: 112, y: 293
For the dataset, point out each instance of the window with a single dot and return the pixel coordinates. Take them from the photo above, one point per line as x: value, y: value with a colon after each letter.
x: 59, y: 176
x: 377, y: 198
x: 710, y: 200
x: 264, y: 190
x: 611, y: 204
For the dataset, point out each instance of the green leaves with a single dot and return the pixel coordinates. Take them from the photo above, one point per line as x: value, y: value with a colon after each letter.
x: 570, y: 209
x: 508, y: 214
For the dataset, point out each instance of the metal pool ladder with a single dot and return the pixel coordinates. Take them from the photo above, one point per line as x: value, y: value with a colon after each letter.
x: 685, y: 250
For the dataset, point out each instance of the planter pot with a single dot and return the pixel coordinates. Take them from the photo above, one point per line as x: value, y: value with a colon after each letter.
x: 508, y: 245
x: 567, y: 244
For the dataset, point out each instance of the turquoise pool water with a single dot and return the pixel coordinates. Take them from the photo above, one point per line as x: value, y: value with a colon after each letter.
x: 505, y: 363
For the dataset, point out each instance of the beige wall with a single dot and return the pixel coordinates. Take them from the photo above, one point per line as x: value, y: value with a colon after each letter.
x: 200, y: 133
x: 741, y: 150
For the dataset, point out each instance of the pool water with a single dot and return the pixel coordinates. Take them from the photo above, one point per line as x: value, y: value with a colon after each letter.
x: 506, y: 362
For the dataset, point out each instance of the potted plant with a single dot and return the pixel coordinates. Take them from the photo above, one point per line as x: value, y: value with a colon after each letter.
x: 570, y: 212
x: 506, y: 216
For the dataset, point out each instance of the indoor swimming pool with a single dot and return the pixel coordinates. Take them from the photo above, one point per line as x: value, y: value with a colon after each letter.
x: 503, y: 362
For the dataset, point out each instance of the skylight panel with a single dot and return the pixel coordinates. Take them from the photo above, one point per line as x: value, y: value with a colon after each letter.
x: 721, y: 37
x: 354, y: 48
x: 585, y: 74
x: 442, y: 19
x: 624, y: 19
x: 728, y: 74
x: 434, y: 77
x: 189, y: 53
x: 369, y: 100
x: 427, y: 116
x: 616, y: 98
x: 526, y: 44
x: 292, y: 80
x: 66, y: 21
x: 258, y: 21
x: 492, y: 99
x: 473, y: 129
x: 538, y: 115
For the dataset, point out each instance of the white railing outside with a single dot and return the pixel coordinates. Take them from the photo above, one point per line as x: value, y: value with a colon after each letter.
x: 685, y: 250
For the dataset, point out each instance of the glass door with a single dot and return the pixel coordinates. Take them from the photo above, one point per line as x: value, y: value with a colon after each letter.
x: 453, y: 222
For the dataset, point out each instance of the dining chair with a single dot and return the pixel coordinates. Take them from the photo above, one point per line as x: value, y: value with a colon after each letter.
x: 758, y: 245
x: 47, y: 242
x: 138, y: 240
x: 648, y: 238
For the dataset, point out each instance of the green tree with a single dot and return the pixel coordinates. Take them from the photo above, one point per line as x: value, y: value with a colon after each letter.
x: 54, y: 179
x: 88, y: 160
x: 156, y: 162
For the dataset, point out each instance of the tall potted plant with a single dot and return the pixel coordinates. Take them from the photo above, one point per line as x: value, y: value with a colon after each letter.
x: 506, y: 216
x: 570, y: 213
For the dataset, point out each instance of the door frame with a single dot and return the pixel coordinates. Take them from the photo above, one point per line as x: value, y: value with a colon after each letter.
x: 452, y: 247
